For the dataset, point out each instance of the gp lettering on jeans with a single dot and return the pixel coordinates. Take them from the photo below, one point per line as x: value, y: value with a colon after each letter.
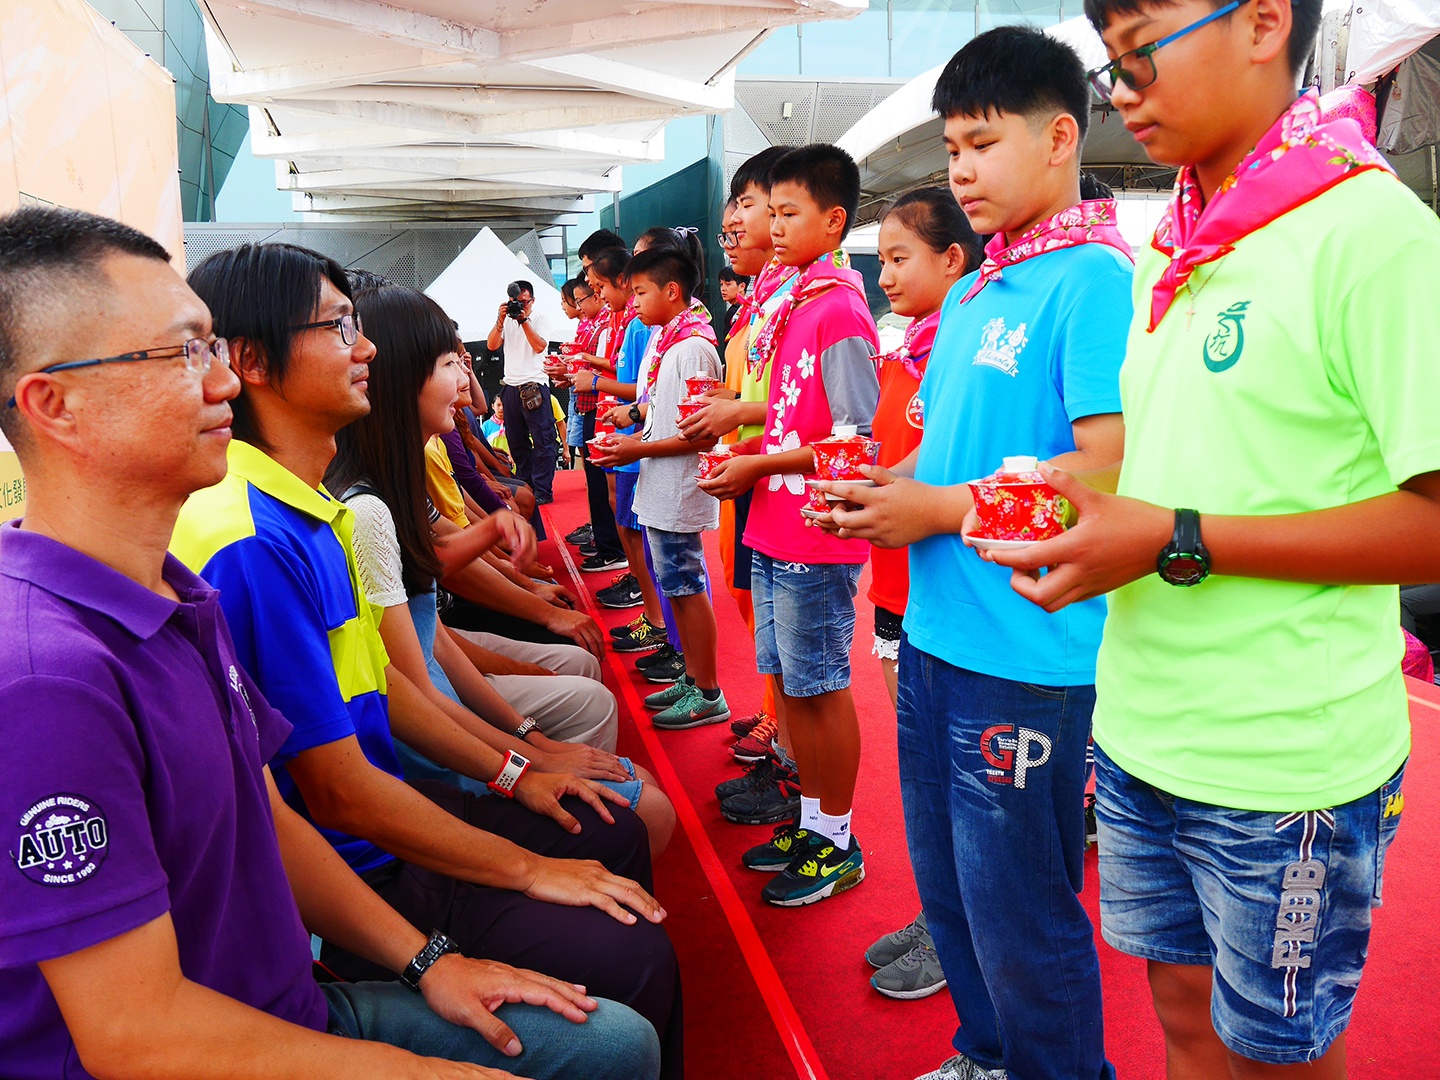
x: 62, y: 840
x: 1011, y: 755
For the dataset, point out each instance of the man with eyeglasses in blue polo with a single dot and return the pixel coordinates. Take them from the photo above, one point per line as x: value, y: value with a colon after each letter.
x: 157, y: 895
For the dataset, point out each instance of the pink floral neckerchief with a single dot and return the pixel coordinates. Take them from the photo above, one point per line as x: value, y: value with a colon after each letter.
x: 1299, y: 158
x: 1089, y: 222
x: 618, y: 321
x: 587, y: 332
x: 919, y: 339
x: 694, y: 321
x: 825, y: 273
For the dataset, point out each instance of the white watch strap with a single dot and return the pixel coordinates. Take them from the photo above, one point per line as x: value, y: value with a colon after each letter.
x: 514, y: 768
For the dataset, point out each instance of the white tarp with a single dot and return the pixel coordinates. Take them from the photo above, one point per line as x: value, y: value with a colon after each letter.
x: 472, y: 288
x: 1385, y: 32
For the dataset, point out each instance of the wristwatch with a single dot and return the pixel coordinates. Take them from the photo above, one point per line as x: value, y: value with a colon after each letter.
x: 510, y: 774
x: 1184, y: 561
x: 635, y: 413
x: 527, y: 726
x: 436, y: 947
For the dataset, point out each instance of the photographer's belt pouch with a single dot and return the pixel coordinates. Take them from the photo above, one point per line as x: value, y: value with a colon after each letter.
x: 532, y: 396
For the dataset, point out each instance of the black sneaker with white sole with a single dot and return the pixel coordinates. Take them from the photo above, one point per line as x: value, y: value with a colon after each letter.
x: 623, y: 592
x: 644, y: 638
x: 662, y: 656
x: 667, y: 671
x: 775, y: 799
x: 598, y: 564
x: 817, y: 872
x: 777, y: 852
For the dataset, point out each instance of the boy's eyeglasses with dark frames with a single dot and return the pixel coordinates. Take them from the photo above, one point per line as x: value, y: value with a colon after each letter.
x: 727, y: 239
x: 1136, y: 68
x: 348, y: 324
x: 199, y: 355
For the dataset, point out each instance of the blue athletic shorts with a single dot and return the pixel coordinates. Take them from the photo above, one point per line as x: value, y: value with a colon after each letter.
x: 1277, y: 903
x: 625, y: 500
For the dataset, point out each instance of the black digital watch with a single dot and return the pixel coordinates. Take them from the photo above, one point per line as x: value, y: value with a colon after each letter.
x: 1184, y: 561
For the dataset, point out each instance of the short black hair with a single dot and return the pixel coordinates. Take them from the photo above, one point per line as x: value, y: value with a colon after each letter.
x: 1304, y: 22
x: 1092, y: 187
x: 261, y: 293
x: 664, y: 264
x: 686, y: 239
x: 360, y: 280
x: 727, y: 273
x: 756, y: 170
x: 828, y: 173
x: 524, y: 286
x: 568, y: 289
x: 597, y: 242
x: 610, y: 263
x: 933, y: 215
x: 1015, y: 69
x: 46, y: 252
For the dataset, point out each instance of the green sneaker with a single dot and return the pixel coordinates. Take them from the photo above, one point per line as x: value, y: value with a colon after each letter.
x: 819, y: 871
x: 777, y: 852
x: 692, y: 710
x: 663, y: 699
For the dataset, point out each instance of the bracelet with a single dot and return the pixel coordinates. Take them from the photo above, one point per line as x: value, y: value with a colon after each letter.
x: 509, y: 775
x: 594, y: 383
x: 527, y: 726
x: 436, y: 947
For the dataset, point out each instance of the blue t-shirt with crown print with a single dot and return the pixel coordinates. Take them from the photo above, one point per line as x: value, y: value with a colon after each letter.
x: 1010, y: 371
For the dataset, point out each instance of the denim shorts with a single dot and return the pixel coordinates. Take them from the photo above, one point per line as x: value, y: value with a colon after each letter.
x: 1278, y: 903
x: 679, y: 561
x: 804, y: 622
x: 625, y: 500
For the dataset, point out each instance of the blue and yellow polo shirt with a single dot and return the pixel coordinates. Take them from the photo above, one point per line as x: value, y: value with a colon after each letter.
x: 280, y: 553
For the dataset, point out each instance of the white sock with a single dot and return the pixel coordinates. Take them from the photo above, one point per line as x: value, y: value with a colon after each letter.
x: 809, y: 814
x: 835, y: 828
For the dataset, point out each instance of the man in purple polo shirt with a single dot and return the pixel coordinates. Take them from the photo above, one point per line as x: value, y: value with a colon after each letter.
x: 148, y: 909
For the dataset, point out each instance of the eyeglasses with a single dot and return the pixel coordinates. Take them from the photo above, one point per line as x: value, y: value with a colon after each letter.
x: 727, y: 239
x: 1136, y: 68
x: 348, y: 324
x: 198, y: 353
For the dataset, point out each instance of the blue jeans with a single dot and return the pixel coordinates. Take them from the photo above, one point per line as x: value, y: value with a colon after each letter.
x: 614, y: 1043
x: 992, y: 773
x: 804, y: 622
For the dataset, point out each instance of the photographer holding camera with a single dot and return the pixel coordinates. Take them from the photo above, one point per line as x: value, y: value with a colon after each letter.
x: 525, y: 390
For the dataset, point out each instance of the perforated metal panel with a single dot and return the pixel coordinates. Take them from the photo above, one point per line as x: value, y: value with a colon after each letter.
x: 840, y: 105
x: 528, y: 243
x: 821, y: 110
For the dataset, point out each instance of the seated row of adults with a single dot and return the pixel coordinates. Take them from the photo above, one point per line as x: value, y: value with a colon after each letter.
x: 202, y: 747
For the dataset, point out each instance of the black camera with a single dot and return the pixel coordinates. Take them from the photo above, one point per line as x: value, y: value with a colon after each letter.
x: 514, y: 307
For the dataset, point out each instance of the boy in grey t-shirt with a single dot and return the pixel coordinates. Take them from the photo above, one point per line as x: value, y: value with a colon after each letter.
x: 673, y: 510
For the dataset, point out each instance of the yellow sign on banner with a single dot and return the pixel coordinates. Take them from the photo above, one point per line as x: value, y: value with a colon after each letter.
x: 12, y: 483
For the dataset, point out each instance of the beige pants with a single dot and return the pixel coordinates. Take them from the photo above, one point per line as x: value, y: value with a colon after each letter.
x: 572, y: 705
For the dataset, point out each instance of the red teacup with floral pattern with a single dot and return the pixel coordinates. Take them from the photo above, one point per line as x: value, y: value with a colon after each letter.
x: 697, y: 386
x: 840, y: 456
x: 710, y: 461
x: 1017, y: 504
x: 690, y: 408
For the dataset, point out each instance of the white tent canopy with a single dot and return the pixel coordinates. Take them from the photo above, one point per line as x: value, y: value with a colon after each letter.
x: 472, y: 287
x: 509, y: 110
x: 1385, y: 32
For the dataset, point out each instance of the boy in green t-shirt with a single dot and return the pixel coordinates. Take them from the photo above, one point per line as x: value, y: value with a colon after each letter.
x: 1280, y: 379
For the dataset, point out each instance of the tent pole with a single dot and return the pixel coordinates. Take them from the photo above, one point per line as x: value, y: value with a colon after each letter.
x: 1434, y: 182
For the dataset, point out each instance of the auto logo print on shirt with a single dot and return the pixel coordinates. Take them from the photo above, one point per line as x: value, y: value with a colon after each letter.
x: 1227, y: 341
x: 1013, y: 755
x: 62, y: 840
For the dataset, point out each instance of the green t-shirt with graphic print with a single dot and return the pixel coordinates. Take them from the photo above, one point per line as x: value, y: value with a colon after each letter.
x: 1307, y: 378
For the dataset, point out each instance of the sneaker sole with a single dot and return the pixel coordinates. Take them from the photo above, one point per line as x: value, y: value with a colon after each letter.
x: 621, y: 645
x: 746, y: 756
x: 910, y: 995
x: 844, y: 883
x: 774, y: 817
x: 770, y: 868
x: 633, y: 601
x: 621, y: 565
x: 658, y: 679
x: 688, y: 724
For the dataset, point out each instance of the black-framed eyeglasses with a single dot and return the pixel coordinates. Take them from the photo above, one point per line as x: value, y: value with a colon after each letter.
x: 348, y: 324
x: 1136, y: 68
x: 198, y: 353
x: 727, y: 239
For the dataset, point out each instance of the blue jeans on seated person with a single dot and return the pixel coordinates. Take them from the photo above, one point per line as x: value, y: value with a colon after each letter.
x: 804, y: 622
x: 1279, y: 904
x: 992, y: 775
x: 614, y: 1043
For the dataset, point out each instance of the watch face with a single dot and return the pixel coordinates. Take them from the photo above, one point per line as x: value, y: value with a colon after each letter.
x: 1185, y: 570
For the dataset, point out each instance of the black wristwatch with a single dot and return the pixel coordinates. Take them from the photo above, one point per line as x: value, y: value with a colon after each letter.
x: 436, y: 947
x: 635, y: 413
x: 1184, y: 561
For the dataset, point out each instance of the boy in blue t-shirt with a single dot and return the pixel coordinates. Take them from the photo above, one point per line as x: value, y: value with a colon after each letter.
x: 995, y: 694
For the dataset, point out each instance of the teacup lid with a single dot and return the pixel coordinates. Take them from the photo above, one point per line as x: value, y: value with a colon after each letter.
x: 845, y: 431
x: 1019, y: 464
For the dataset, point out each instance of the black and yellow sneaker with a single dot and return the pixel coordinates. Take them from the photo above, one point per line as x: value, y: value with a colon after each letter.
x: 820, y: 871
x: 644, y: 638
x: 778, y: 852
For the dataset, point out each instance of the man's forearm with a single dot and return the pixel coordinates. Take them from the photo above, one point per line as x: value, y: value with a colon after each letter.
x: 482, y: 584
x: 537, y: 342
x: 676, y: 447
x: 423, y: 726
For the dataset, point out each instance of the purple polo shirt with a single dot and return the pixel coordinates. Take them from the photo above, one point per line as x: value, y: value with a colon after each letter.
x: 131, y: 749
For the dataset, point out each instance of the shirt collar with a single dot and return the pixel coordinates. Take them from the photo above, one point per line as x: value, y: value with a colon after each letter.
x: 254, y: 465
x: 85, y: 582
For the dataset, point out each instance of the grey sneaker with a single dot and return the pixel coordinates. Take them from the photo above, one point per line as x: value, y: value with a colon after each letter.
x: 892, y: 947
x: 915, y: 975
x: 961, y: 1067
x: 692, y: 710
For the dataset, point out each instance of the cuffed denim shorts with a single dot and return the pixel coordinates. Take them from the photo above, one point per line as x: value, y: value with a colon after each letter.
x: 804, y: 622
x: 1278, y: 903
x: 679, y: 561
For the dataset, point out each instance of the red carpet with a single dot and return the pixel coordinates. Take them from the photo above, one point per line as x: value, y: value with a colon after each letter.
x: 775, y: 993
